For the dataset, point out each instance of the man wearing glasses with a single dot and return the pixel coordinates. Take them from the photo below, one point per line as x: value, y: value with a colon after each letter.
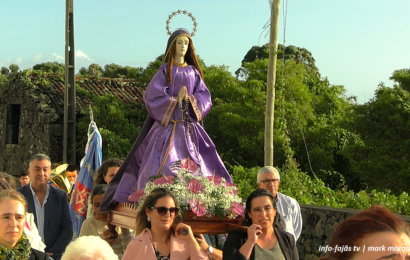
x: 269, y: 179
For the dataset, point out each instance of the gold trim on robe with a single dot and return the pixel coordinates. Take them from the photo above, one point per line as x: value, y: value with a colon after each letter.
x: 194, y: 104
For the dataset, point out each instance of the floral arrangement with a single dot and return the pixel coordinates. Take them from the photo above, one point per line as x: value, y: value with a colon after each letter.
x: 204, y: 196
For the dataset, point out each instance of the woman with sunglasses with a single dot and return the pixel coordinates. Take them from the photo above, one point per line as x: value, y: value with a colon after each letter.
x: 155, y: 236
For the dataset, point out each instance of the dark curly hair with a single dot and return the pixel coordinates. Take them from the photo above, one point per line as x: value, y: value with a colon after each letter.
x: 102, y: 171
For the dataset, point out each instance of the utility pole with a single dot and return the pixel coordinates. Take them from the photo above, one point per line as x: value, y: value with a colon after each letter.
x: 270, y: 86
x: 69, y: 92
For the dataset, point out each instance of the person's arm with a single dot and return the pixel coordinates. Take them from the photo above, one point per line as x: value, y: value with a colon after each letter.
x: 66, y: 230
x: 200, y: 100
x: 194, y: 248
x: 233, y: 243
x: 159, y: 103
x: 216, y: 254
x: 297, y: 219
x: 126, y: 237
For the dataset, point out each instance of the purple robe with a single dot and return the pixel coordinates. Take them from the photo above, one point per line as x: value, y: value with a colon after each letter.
x: 189, y: 140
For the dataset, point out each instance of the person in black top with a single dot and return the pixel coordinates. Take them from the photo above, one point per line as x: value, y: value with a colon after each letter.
x: 264, y: 237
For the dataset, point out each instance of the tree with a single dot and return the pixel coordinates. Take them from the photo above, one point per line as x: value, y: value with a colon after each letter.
x: 402, y: 78
x: 94, y: 70
x: 50, y: 67
x: 118, y: 123
x: 382, y: 160
x: 297, y: 54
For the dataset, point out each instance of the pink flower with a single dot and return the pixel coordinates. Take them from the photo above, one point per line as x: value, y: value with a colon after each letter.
x: 197, y: 207
x: 216, y: 179
x: 237, y: 208
x: 195, y: 186
x: 164, y: 180
x: 136, y: 195
x: 235, y: 191
x: 189, y: 164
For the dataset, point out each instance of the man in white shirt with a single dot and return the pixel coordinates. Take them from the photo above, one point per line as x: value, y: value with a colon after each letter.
x: 268, y: 178
x: 49, y: 205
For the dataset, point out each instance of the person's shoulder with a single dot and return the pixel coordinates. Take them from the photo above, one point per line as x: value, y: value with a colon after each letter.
x: 144, y: 235
x: 286, y: 235
x: 284, y: 197
x: 54, y: 190
x: 88, y: 220
x: 24, y: 188
x: 39, y: 255
x: 237, y: 232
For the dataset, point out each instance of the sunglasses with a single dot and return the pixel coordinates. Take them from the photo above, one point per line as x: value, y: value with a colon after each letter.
x: 163, y: 210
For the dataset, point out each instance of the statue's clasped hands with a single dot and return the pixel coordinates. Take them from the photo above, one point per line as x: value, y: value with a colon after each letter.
x: 183, y: 93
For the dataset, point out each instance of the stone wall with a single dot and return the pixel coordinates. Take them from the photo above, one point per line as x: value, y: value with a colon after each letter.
x: 39, y: 128
x: 319, y: 222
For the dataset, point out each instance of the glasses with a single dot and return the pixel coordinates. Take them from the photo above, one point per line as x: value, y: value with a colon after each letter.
x: 267, y: 182
x: 163, y: 210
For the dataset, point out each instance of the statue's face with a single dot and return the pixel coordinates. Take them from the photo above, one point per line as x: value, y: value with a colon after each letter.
x: 181, y: 46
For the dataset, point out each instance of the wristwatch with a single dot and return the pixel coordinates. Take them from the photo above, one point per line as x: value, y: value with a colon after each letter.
x: 210, y: 249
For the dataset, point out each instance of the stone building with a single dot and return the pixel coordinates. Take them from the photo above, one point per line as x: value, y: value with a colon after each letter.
x: 32, y: 118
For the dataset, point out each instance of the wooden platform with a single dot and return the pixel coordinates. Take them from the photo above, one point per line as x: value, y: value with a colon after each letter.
x: 125, y: 215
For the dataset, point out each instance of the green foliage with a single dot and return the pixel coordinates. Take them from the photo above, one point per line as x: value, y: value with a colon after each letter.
x: 50, y: 67
x: 382, y: 158
x: 297, y: 54
x: 118, y: 123
x: 402, y: 77
x: 313, y: 191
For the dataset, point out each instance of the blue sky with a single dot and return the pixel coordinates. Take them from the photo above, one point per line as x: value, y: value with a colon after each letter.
x: 357, y: 44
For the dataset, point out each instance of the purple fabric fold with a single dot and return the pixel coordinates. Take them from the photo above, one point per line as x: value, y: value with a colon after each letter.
x: 190, y: 140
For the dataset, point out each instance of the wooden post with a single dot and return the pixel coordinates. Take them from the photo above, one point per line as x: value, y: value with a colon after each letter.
x: 270, y: 86
x: 69, y: 138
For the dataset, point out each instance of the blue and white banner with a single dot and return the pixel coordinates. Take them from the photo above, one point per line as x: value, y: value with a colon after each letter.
x: 82, y: 190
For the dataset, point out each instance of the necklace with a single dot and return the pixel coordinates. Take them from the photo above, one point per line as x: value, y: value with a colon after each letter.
x: 180, y: 64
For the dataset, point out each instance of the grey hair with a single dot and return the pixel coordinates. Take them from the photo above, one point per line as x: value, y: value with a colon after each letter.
x: 266, y: 169
x: 40, y: 157
x: 89, y: 248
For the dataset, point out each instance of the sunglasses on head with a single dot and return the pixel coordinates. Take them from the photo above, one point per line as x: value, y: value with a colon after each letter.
x: 163, y: 210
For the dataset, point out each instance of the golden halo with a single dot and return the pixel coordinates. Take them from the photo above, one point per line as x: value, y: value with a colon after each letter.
x: 194, y: 30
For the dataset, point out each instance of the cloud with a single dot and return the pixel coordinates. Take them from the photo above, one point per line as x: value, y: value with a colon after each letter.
x: 58, y: 57
x: 38, y: 57
x: 19, y: 60
x: 80, y: 54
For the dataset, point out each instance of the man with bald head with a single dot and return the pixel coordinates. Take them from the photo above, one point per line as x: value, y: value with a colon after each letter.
x: 268, y: 178
x: 49, y: 206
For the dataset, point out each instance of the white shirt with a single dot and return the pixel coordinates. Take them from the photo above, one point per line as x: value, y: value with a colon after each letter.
x: 289, y: 211
x: 40, y: 210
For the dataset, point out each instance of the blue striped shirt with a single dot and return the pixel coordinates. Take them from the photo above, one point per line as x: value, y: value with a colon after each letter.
x: 40, y: 211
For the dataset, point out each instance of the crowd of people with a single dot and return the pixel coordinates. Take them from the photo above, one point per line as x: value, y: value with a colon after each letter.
x: 35, y: 224
x: 35, y: 219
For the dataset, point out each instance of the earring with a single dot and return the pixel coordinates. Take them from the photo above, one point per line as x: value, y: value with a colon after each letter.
x: 148, y: 219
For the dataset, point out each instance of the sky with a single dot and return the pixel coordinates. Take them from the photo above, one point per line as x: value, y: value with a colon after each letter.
x: 357, y: 44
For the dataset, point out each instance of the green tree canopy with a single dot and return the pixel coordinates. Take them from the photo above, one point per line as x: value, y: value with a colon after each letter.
x: 50, y: 67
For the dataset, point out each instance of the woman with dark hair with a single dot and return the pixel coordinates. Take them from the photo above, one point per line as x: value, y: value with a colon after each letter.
x: 374, y: 233
x: 172, y: 137
x: 155, y: 236
x: 264, y: 238
x: 107, y: 171
x: 96, y: 226
x: 13, y: 242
